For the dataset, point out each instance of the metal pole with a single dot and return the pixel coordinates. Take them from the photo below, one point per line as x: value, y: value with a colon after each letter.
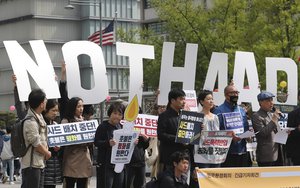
x: 100, y: 17
x: 117, y: 63
x: 100, y: 43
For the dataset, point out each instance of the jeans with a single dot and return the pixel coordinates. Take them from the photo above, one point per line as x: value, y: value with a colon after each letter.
x: 113, y: 179
x: 10, y: 164
x: 80, y: 182
x: 32, y: 178
x: 137, y: 175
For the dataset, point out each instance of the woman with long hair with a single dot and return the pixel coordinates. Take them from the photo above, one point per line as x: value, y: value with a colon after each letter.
x: 77, y: 164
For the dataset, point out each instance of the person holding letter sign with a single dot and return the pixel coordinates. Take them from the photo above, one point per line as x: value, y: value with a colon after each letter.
x: 233, y: 118
x: 106, y: 176
x: 77, y: 164
x: 265, y: 125
x: 167, y: 128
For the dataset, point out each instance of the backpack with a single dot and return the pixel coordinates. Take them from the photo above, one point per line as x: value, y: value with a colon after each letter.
x: 18, y: 145
x: 6, y: 152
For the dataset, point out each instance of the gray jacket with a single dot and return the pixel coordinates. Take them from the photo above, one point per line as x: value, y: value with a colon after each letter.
x: 34, y: 134
x: 267, y: 149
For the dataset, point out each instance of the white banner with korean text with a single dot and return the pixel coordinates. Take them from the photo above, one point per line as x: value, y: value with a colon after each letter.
x: 146, y: 124
x: 213, y: 147
x: 72, y: 133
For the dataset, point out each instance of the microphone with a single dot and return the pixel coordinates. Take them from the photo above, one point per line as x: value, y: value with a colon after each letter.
x: 279, y: 113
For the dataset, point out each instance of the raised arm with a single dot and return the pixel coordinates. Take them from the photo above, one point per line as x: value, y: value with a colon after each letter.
x: 20, y: 106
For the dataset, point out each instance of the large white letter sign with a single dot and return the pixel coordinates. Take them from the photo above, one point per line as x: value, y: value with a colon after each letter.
x: 136, y: 53
x: 168, y: 73
x: 71, y: 50
x: 42, y: 71
x: 245, y: 63
x: 218, y: 66
x: 287, y: 65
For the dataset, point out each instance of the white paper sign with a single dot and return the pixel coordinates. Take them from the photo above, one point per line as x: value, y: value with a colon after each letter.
x: 246, y: 134
x: 281, y: 137
x: 122, y: 151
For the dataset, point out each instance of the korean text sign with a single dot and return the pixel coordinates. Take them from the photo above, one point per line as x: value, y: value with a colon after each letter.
x: 189, y: 127
x: 213, y: 147
x: 72, y: 133
x: 146, y: 124
x: 266, y: 177
x: 122, y: 151
x: 233, y: 121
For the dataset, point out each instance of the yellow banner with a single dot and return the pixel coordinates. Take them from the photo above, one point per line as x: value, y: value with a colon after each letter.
x: 253, y: 177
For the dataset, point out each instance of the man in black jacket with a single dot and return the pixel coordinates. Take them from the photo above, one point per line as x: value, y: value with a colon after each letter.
x: 167, y: 128
x: 176, y: 176
x: 292, y: 145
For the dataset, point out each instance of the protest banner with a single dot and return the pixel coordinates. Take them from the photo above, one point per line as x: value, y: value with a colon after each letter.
x: 72, y: 133
x: 146, y: 124
x: 189, y: 127
x: 213, y: 147
x: 191, y: 100
x: 233, y: 121
x: 122, y: 151
x: 284, y: 109
x: 258, y: 177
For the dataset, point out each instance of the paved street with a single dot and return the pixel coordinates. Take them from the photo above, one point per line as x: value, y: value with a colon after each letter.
x: 18, y: 184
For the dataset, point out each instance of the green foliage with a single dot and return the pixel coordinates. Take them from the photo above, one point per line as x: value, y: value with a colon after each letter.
x: 269, y: 28
x: 7, y: 119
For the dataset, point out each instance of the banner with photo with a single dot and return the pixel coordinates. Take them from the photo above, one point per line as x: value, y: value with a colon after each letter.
x: 189, y: 127
x: 122, y: 151
x: 213, y: 147
x: 259, y: 177
x: 72, y: 133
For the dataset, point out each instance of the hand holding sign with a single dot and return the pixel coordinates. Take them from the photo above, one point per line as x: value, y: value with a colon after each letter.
x: 125, y: 139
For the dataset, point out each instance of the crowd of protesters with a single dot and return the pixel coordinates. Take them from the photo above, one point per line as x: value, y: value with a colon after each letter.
x: 172, y: 163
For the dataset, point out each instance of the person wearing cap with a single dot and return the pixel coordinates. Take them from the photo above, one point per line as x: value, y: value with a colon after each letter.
x: 265, y: 126
x: 232, y: 117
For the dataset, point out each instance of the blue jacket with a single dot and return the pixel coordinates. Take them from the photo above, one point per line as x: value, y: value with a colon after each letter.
x: 235, y: 147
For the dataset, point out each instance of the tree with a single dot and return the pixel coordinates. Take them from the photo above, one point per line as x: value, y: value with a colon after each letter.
x: 268, y: 28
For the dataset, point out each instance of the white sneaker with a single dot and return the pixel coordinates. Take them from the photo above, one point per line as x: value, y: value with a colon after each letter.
x: 11, y: 183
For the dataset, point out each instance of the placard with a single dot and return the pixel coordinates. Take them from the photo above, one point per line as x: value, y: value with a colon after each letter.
x: 213, y: 147
x: 72, y: 133
x: 233, y: 121
x: 189, y: 127
x: 122, y: 151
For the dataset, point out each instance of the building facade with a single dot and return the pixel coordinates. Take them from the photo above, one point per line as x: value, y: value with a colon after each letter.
x: 48, y: 20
